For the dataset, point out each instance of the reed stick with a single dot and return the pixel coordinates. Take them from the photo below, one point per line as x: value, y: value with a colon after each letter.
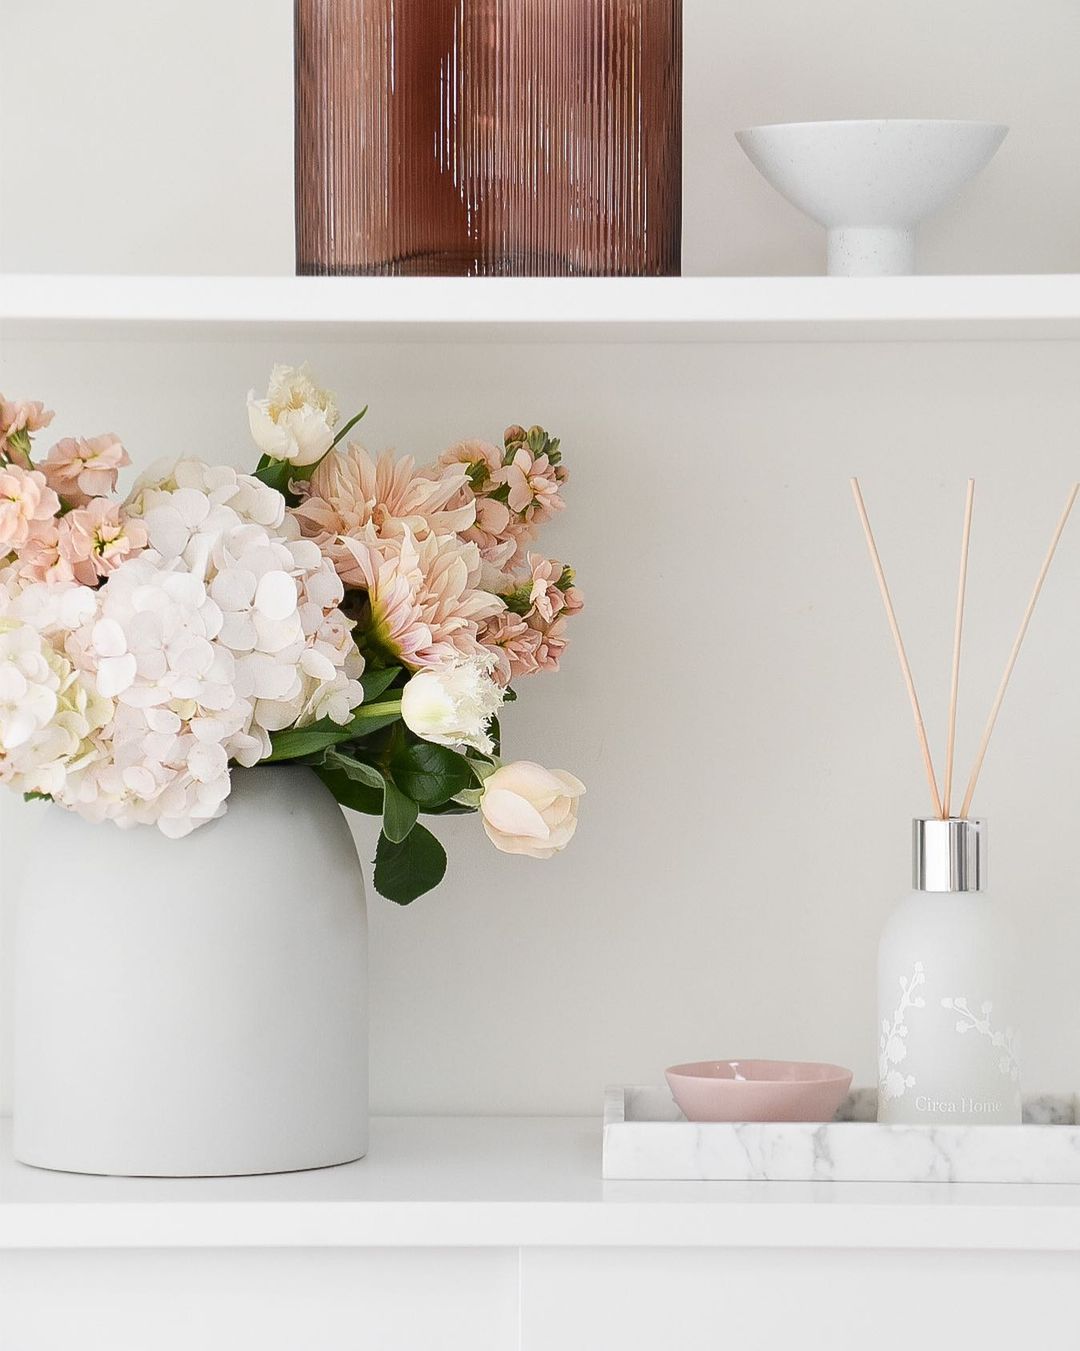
x: 999, y: 697
x: 905, y: 665
x: 958, y: 629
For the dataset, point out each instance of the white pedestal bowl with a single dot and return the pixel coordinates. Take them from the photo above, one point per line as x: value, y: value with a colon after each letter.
x: 870, y: 183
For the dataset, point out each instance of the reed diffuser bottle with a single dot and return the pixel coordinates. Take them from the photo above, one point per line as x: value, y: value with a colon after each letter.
x: 947, y: 1039
x: 947, y: 1048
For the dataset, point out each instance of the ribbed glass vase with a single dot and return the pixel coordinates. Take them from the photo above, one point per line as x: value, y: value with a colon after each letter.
x: 488, y: 137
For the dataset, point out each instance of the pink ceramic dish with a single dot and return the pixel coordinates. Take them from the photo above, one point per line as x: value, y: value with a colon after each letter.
x: 758, y: 1090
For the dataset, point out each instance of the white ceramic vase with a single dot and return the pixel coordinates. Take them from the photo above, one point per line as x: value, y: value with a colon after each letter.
x: 193, y: 1007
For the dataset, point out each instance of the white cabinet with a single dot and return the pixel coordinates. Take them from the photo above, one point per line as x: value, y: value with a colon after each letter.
x: 492, y: 1234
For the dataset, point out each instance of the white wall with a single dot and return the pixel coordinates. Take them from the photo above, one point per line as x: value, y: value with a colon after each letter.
x: 732, y: 699
x: 158, y: 138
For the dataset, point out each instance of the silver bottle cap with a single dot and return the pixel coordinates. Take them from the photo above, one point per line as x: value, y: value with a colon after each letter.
x: 948, y: 855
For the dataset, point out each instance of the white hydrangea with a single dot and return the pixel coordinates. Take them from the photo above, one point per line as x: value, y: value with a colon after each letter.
x: 166, y: 751
x: 48, y: 709
x: 224, y: 630
x: 219, y: 484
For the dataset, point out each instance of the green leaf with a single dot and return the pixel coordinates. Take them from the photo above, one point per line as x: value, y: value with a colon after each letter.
x: 430, y: 774
x: 451, y: 808
x: 275, y: 474
x: 343, y: 433
x: 375, y: 682
x: 359, y: 770
x: 350, y: 792
x: 295, y: 742
x: 370, y: 792
x: 35, y: 796
x: 399, y: 813
x: 406, y: 870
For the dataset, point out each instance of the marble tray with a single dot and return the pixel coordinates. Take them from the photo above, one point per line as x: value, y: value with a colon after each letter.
x: 646, y: 1136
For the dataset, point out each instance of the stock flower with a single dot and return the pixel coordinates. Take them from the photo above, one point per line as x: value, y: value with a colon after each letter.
x: 39, y: 558
x: 550, y: 589
x: 512, y: 644
x: 530, y: 635
x: 453, y: 705
x: 551, y: 644
x: 25, y: 502
x: 296, y: 420
x: 79, y: 468
x: 533, y: 482
x: 19, y: 419
x: 350, y: 491
x: 495, y: 533
x: 424, y: 605
x: 530, y: 810
x: 481, y: 459
x: 95, y: 539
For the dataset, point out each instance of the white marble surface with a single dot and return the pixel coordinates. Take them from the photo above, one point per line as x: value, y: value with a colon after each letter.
x: 646, y: 1136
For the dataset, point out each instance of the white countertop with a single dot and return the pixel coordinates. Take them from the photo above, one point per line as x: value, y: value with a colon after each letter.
x: 511, y: 1182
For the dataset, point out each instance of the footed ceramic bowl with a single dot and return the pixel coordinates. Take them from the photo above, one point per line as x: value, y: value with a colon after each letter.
x: 871, y: 183
x: 758, y: 1090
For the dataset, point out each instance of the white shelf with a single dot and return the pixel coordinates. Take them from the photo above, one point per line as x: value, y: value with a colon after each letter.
x: 515, y: 1182
x: 712, y: 309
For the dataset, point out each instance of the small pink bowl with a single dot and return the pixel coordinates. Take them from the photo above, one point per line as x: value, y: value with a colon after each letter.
x: 758, y: 1090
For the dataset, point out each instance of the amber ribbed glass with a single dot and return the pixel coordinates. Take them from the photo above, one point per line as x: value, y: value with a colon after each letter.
x: 488, y: 137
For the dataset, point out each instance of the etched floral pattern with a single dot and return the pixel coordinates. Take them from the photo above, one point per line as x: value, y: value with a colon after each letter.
x: 893, y: 1082
x: 1005, y: 1043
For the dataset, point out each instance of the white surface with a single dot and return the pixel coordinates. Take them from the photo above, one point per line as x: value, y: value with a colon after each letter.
x: 197, y: 1006
x: 270, y: 1300
x: 730, y: 695
x: 871, y: 183
x: 182, y: 160
x: 646, y: 1136
x: 815, y: 1301
x: 515, y: 1182
x: 598, y: 309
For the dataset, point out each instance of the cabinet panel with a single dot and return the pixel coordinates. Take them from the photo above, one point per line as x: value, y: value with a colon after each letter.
x: 276, y: 1300
x: 701, y: 1299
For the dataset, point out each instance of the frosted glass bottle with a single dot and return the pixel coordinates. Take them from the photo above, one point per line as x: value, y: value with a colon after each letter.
x: 947, y: 1040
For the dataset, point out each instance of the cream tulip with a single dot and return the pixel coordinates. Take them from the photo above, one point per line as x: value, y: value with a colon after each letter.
x: 453, y: 705
x: 296, y: 420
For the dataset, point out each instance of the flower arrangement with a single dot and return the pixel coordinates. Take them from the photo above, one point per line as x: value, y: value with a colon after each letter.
x: 362, y: 616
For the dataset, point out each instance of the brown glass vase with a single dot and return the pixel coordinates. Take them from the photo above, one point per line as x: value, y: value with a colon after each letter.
x: 489, y: 137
